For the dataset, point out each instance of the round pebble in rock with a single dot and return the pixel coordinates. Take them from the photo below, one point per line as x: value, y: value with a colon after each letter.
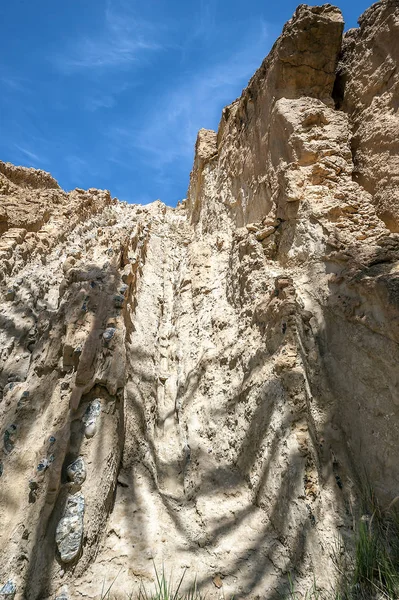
x: 76, y: 471
x: 109, y: 334
x: 90, y: 417
x: 90, y: 430
x: 118, y: 301
x: 43, y: 465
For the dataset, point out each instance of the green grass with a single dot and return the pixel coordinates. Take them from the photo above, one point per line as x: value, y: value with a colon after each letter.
x: 376, y: 567
x: 370, y: 569
x: 312, y: 594
x: 164, y: 589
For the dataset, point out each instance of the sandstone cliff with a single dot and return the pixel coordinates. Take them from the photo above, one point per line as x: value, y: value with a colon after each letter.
x: 208, y: 386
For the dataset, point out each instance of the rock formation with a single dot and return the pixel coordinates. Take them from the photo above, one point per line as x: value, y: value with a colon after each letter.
x: 206, y: 387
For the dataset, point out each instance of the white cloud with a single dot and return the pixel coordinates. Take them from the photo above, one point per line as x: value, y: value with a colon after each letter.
x: 122, y: 41
x: 94, y: 103
x: 170, y: 130
x: 31, y: 156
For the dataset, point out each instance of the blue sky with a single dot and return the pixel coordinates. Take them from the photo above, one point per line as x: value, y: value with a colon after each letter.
x: 111, y: 93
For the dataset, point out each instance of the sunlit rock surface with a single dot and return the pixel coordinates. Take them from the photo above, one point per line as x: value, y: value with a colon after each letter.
x: 206, y: 386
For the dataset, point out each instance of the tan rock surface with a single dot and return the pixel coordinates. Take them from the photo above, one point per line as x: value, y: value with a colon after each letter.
x: 368, y: 90
x: 203, y: 387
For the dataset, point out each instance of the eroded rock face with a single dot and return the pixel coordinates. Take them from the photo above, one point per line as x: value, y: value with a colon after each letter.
x: 367, y: 89
x: 197, y: 386
x: 301, y: 63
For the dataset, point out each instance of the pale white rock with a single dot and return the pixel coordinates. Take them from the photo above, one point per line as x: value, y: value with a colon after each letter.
x: 69, y: 534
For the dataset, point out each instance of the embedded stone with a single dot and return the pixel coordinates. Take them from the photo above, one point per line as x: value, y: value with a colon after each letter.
x: 90, y: 417
x: 23, y: 399
x: 43, y: 465
x: 8, y: 591
x: 33, y: 485
x: 109, y: 334
x: 90, y: 430
x: 118, y: 301
x: 10, y: 437
x: 8, y: 387
x: 76, y: 471
x: 85, y: 305
x: 69, y: 533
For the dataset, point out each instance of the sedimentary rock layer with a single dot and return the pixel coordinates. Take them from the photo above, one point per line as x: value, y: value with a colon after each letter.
x: 206, y: 387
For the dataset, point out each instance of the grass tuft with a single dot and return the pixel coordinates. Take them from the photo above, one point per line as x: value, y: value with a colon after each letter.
x: 370, y: 571
x: 164, y: 589
x: 376, y: 572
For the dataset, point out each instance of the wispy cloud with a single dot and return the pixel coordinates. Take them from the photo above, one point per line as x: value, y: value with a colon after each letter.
x: 101, y: 98
x: 205, y: 22
x: 122, y: 41
x: 170, y: 129
x: 31, y: 156
x: 163, y: 142
x: 15, y: 84
x: 95, y: 103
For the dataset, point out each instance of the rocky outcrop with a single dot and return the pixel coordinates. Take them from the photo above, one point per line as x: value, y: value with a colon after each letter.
x: 206, y: 386
x: 301, y: 63
x: 367, y: 88
x: 315, y: 217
